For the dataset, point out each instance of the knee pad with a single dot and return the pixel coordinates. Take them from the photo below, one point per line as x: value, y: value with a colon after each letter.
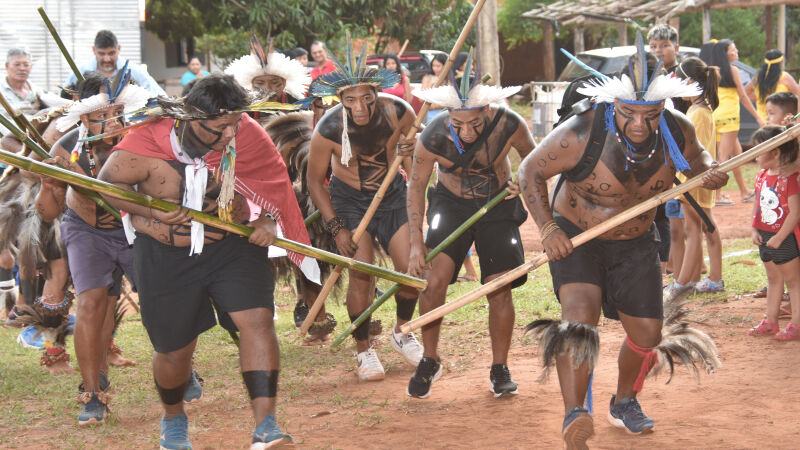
x: 172, y: 396
x: 405, y: 307
x: 27, y: 288
x: 361, y: 333
x: 261, y: 383
x: 6, y: 274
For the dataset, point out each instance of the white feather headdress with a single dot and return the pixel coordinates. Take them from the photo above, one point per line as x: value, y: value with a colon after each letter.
x: 246, y: 68
x: 661, y: 88
x: 480, y: 95
x: 132, y: 98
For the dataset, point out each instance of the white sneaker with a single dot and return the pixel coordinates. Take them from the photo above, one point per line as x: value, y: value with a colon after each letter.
x: 408, y: 346
x: 369, y: 366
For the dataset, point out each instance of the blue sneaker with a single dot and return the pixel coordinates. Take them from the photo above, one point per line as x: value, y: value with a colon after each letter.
x: 175, y: 433
x: 195, y: 389
x: 269, y: 435
x: 93, y: 410
x: 577, y: 429
x: 628, y: 415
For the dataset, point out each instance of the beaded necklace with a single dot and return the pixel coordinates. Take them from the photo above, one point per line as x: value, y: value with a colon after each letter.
x: 628, y: 149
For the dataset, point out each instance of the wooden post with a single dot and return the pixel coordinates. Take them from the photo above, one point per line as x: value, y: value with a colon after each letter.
x: 706, y: 24
x: 549, y: 59
x: 782, y: 28
x: 769, y: 28
x: 622, y: 30
x: 577, y: 40
x: 488, y: 50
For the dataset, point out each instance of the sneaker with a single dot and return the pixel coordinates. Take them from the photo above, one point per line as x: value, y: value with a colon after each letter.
x: 577, y: 429
x: 705, y: 286
x: 195, y: 389
x: 11, y: 320
x: 175, y: 433
x: 92, y: 411
x: 675, y: 292
x: 428, y: 371
x: 628, y: 415
x: 369, y: 366
x: 408, y: 346
x: 502, y: 384
x: 104, y: 383
x: 269, y: 435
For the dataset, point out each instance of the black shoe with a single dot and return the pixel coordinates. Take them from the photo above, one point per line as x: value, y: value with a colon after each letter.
x: 105, y: 384
x: 502, y: 384
x: 428, y: 371
x: 628, y: 415
x: 300, y: 313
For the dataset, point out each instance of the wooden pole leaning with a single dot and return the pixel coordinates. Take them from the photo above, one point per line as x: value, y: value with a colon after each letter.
x: 42, y: 153
x: 591, y: 233
x: 115, y: 191
x: 496, y: 200
x: 60, y: 44
x: 390, y: 173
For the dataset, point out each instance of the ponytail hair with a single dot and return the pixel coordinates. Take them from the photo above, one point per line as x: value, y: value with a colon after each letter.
x: 705, y: 76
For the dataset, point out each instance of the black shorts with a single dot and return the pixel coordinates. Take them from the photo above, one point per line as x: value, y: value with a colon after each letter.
x: 628, y: 272
x: 496, y: 234
x: 176, y: 290
x: 781, y: 255
x: 351, y: 204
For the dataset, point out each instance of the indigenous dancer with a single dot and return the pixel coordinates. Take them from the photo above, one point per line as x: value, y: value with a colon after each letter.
x: 470, y: 146
x: 359, y: 138
x: 625, y: 150
x: 275, y: 76
x: 182, y: 265
x: 97, y: 249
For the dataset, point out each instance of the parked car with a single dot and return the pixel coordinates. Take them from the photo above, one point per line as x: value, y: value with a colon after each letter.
x: 611, y: 60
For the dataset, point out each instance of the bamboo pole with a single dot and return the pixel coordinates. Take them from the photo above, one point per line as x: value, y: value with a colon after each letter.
x: 42, y: 153
x: 115, y: 191
x: 392, y: 170
x: 313, y: 217
x: 22, y: 121
x: 594, y: 232
x: 402, y: 49
x: 60, y: 44
x: 496, y: 200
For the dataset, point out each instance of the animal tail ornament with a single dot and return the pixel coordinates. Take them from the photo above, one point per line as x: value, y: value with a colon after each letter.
x: 557, y: 337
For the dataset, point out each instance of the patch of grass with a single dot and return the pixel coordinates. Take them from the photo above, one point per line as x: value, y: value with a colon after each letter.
x: 749, y: 172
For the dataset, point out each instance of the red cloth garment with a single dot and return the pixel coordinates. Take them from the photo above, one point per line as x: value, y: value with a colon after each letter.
x: 399, y: 90
x: 326, y: 68
x: 772, y: 196
x: 260, y: 172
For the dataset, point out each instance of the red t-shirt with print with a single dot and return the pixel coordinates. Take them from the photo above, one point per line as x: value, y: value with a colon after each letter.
x: 772, y: 194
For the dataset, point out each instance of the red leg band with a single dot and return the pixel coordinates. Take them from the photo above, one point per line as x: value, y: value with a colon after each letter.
x: 650, y: 360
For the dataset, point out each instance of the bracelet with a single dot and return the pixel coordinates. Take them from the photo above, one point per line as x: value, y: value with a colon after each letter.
x: 268, y: 214
x: 334, y: 225
x: 548, y: 229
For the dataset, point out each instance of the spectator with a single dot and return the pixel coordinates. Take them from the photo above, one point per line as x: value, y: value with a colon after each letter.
x: 301, y: 55
x: 663, y: 40
x: 781, y: 107
x: 770, y: 79
x: 20, y: 93
x: 403, y: 88
x: 106, y: 50
x: 429, y: 81
x: 320, y: 55
x: 195, y: 71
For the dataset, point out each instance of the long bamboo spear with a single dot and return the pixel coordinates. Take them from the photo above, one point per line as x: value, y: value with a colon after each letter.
x: 313, y: 217
x: 42, y: 153
x: 496, y: 200
x: 115, y: 191
x: 391, y: 171
x: 598, y: 230
x: 60, y: 44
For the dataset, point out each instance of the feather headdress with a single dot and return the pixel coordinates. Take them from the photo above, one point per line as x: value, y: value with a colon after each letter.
x: 117, y: 91
x: 327, y: 100
x: 467, y: 95
x: 353, y: 73
x: 258, y: 63
x: 642, y: 88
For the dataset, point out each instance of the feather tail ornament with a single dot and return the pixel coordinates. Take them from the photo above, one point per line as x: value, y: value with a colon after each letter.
x: 226, y: 176
x: 580, y: 341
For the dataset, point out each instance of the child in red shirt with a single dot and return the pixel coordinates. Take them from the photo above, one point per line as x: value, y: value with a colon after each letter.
x: 776, y: 214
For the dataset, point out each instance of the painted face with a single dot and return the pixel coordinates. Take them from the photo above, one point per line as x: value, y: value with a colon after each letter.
x: 359, y: 102
x: 19, y: 68
x: 302, y: 59
x: 104, y: 120
x: 318, y: 53
x: 390, y: 64
x: 195, y: 66
x: 733, y: 52
x: 664, y: 49
x: 106, y: 58
x: 436, y: 66
x: 269, y: 83
x: 469, y: 124
x: 216, y: 133
x: 637, y: 122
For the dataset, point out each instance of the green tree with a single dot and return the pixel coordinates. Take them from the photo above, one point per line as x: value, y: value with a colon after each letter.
x: 744, y: 26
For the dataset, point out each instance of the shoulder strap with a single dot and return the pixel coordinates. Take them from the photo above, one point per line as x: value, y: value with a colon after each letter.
x: 465, y: 158
x: 591, y: 155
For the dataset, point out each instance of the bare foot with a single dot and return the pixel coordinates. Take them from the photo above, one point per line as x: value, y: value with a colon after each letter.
x: 60, y: 368
x: 117, y: 360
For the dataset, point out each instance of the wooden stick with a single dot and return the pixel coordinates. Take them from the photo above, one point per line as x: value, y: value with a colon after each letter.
x: 390, y: 174
x: 598, y: 230
x: 60, y: 44
x: 115, y: 191
x: 402, y: 49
